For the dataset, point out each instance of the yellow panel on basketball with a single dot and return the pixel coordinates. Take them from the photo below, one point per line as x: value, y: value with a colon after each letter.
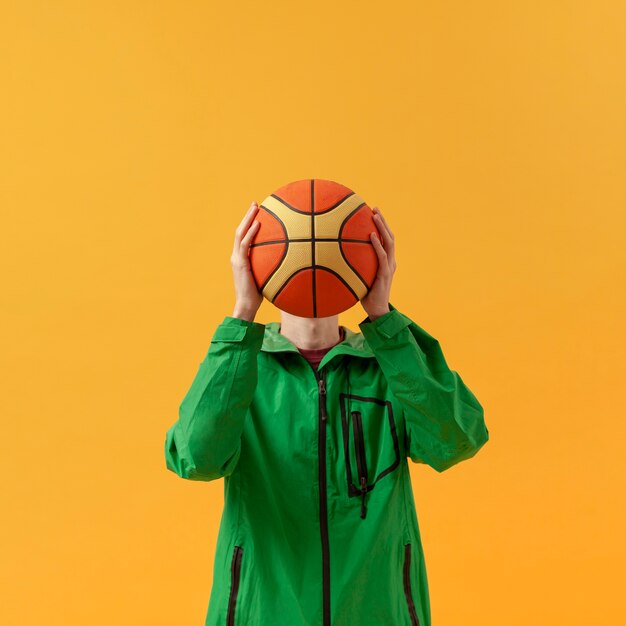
x: 290, y: 296
x: 328, y: 255
x: 296, y: 225
x: 265, y: 259
x: 297, y: 257
x: 328, y: 224
x: 327, y: 262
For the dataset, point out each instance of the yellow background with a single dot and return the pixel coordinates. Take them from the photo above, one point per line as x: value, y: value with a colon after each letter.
x: 134, y: 136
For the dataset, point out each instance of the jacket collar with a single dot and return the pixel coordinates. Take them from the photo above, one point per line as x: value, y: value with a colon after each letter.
x: 353, y: 343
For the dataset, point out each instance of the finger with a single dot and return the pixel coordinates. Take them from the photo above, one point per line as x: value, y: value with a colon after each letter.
x: 389, y: 242
x: 245, y: 242
x: 380, y: 251
x: 245, y: 222
x: 382, y: 227
x: 378, y: 212
x: 379, y: 219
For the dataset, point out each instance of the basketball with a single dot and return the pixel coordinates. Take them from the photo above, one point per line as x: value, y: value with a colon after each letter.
x: 312, y: 255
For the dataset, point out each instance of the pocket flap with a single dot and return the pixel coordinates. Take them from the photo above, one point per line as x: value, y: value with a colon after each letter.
x: 229, y: 333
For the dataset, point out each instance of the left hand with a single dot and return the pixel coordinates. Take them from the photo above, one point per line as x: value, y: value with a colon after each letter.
x: 376, y: 302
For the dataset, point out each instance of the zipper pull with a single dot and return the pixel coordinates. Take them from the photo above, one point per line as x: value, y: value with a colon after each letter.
x: 363, y: 492
x: 322, y: 390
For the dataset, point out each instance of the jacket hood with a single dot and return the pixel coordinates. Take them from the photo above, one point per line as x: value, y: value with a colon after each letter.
x: 354, y: 343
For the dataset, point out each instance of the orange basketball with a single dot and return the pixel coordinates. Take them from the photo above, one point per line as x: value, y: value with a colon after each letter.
x: 312, y: 255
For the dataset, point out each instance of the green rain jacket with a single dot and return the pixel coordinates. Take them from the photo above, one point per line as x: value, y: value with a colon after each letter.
x: 319, y: 526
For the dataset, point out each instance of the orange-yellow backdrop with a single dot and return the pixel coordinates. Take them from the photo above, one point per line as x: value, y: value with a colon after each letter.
x: 135, y: 135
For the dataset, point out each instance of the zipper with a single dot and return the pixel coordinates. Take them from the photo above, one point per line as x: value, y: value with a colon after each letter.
x: 323, y: 417
x: 360, y: 457
x: 235, y: 570
x: 407, y: 585
x: 322, y: 392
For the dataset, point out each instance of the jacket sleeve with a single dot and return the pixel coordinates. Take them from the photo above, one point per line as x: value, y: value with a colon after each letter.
x: 205, y: 442
x: 444, y: 421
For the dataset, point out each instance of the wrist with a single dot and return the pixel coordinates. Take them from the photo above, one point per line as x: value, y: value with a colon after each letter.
x: 244, y: 313
x: 375, y: 314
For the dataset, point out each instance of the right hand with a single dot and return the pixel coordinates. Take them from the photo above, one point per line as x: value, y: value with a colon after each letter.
x: 248, y: 297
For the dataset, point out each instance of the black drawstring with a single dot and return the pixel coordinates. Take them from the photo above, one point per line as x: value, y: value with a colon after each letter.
x: 363, y: 492
x: 345, y: 367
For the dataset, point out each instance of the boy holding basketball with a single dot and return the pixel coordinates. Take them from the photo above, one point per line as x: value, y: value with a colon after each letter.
x: 311, y: 425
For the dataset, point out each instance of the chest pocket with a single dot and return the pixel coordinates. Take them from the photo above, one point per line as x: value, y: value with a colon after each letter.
x: 370, y: 443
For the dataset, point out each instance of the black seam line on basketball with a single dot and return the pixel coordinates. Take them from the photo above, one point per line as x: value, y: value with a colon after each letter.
x: 323, y: 267
x: 293, y: 208
x: 313, y: 244
x: 282, y: 258
x: 347, y: 217
x: 282, y: 224
x: 345, y: 221
x: 305, y: 239
x: 354, y: 268
x: 338, y: 203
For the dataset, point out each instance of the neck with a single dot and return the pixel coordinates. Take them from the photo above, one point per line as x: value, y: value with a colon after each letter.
x: 310, y: 333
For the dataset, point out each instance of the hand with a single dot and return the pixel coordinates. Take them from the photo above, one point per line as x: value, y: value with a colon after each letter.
x: 376, y: 302
x: 248, y: 297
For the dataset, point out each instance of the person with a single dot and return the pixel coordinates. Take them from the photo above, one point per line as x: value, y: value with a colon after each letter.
x: 311, y: 424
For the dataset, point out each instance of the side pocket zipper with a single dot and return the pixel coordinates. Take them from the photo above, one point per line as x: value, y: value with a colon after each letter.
x: 361, y: 463
x: 235, y: 569
x: 407, y: 585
